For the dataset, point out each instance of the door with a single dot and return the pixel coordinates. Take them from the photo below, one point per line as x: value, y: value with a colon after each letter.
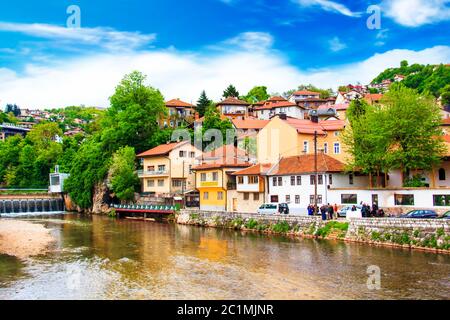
x: 374, y: 199
x: 235, y: 204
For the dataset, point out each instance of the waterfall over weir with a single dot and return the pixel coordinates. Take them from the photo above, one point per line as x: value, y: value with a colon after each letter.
x: 20, y: 207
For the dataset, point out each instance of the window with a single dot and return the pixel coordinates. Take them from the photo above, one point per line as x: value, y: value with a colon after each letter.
x: 192, y: 154
x: 151, y: 168
x: 292, y: 180
x: 215, y: 176
x: 190, y: 168
x: 319, y: 199
x: 312, y: 180
x: 297, y: 199
x: 183, y: 154
x: 288, y: 198
x: 336, y: 133
x: 274, y: 199
x: 320, y: 178
x: 350, y: 179
x: 203, y: 177
x: 280, y: 181
x: 337, y: 148
x: 160, y: 183
x: 256, y: 196
x: 299, y: 180
x: 274, y: 181
x: 162, y: 167
x: 220, y: 195
x: 330, y: 179
x: 305, y: 146
x: 246, y: 196
x: 404, y: 199
x: 325, y: 148
x: 205, y: 195
x: 176, y: 183
x: 150, y: 183
x: 253, y: 179
x: 442, y: 174
x: 441, y: 200
x: 240, y: 180
x: 349, y: 199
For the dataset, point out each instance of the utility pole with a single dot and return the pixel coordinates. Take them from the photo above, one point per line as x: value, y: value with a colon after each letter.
x: 316, y: 175
x: 183, y: 183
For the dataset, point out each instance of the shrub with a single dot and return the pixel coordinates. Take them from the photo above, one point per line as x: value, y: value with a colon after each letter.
x: 251, y: 224
x: 440, y: 232
x: 281, y: 227
x: 376, y: 236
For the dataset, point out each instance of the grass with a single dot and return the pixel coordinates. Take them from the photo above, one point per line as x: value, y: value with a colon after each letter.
x: 28, y: 191
x: 331, y: 226
x: 251, y: 224
x: 281, y: 227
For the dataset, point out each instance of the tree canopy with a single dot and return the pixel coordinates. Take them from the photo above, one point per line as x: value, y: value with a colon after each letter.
x: 202, y: 104
x: 258, y: 93
x: 231, y: 92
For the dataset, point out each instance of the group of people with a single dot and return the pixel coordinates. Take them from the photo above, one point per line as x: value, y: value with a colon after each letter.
x: 327, y: 211
x: 367, y: 212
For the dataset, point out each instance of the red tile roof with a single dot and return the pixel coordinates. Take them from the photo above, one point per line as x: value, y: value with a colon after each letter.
x: 337, y: 107
x: 225, y: 156
x: 161, y: 149
x: 276, y: 98
x: 304, y: 164
x: 232, y: 102
x: 257, y: 169
x: 305, y: 93
x: 446, y: 122
x: 249, y: 123
x: 309, y: 127
x: 178, y: 103
x: 273, y: 105
x: 373, y: 96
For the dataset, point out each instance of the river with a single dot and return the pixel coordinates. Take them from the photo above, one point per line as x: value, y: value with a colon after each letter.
x: 102, y: 258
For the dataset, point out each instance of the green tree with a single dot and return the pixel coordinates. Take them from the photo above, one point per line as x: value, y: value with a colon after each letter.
x: 258, y: 93
x: 446, y: 95
x: 133, y: 116
x: 231, y: 92
x: 214, y: 121
x: 124, y: 180
x: 202, y: 104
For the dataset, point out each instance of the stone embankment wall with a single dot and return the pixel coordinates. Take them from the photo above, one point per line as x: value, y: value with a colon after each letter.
x: 408, y: 233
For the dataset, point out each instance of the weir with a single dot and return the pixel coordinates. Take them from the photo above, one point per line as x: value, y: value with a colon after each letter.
x: 21, y: 206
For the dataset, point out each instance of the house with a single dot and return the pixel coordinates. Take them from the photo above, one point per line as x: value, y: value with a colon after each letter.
x: 270, y: 109
x: 167, y: 169
x: 179, y: 112
x: 303, y: 94
x: 233, y: 108
x: 9, y: 130
x: 248, y: 126
x: 251, y: 187
x: 373, y: 98
x: 399, y: 78
x: 346, y: 97
x: 284, y: 137
x: 292, y: 180
x: 214, y: 179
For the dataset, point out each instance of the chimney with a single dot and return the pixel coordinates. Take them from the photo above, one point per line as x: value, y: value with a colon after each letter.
x: 315, y: 118
x: 283, y: 116
x: 196, y: 116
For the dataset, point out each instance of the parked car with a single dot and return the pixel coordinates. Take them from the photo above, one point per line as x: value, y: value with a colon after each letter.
x: 342, y: 213
x: 272, y: 208
x: 446, y: 215
x: 420, y: 214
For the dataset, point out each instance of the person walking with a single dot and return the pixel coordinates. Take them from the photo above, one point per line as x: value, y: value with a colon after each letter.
x: 330, y: 212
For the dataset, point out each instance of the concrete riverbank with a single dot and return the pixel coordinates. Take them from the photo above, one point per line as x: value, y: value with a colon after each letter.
x: 429, y: 235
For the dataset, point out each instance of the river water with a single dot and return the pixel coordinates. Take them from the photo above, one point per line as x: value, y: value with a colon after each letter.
x: 101, y: 258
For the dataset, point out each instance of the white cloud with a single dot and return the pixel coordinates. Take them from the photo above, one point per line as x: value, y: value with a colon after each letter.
x: 107, y: 38
x: 415, y: 13
x: 336, y: 44
x: 248, y: 41
x: 328, y: 5
x: 90, y: 80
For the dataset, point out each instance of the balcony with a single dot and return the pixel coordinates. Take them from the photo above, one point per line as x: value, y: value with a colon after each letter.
x: 144, y: 173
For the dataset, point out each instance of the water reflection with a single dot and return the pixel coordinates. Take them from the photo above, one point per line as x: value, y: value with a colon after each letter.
x: 100, y: 258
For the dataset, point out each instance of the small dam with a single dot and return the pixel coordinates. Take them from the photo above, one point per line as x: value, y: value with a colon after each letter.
x: 19, y: 205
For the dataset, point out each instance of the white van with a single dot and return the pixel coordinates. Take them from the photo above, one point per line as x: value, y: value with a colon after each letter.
x: 268, y: 208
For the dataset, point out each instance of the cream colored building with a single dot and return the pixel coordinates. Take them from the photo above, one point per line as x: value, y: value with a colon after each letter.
x: 167, y: 169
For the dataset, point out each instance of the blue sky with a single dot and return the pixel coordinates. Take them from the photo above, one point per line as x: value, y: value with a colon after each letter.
x: 187, y: 46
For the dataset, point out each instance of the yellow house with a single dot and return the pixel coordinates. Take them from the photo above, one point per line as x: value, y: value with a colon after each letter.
x: 214, y: 178
x: 168, y: 169
x: 284, y: 137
